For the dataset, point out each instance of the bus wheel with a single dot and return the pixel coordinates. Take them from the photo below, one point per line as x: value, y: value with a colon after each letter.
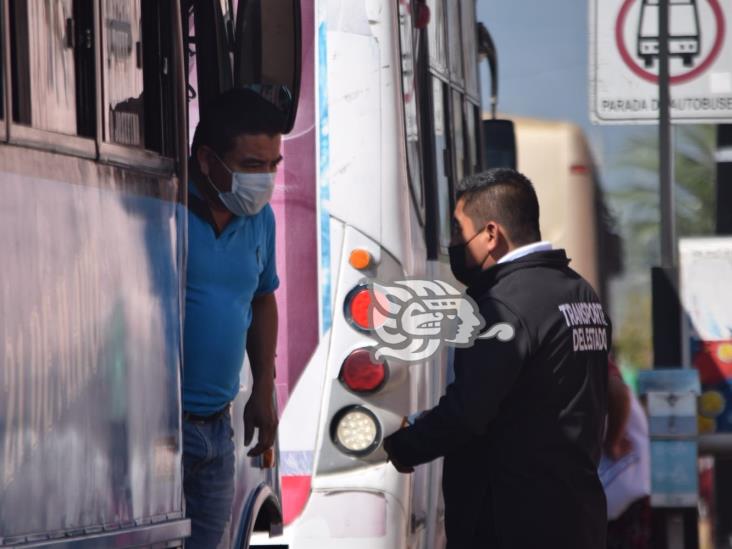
x: 648, y: 61
x: 688, y: 60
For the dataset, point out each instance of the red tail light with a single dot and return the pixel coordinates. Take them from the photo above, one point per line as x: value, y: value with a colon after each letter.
x: 361, y: 374
x: 357, y: 308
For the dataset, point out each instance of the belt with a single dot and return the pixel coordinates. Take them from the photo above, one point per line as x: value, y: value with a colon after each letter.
x: 195, y: 418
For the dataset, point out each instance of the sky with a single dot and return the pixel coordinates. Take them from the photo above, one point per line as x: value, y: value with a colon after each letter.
x: 543, y: 56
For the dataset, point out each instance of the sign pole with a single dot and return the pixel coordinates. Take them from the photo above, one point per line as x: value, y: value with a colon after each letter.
x: 668, y: 219
x: 674, y: 528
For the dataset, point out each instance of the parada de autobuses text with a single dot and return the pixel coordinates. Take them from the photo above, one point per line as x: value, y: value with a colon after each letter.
x: 679, y: 104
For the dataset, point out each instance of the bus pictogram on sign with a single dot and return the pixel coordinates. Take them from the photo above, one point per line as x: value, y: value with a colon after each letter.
x: 638, y: 19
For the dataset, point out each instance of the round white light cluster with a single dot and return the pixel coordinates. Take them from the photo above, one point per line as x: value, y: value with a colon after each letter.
x: 356, y: 431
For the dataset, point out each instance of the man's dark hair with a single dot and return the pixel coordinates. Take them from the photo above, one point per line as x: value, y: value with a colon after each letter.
x: 505, y: 196
x: 235, y: 112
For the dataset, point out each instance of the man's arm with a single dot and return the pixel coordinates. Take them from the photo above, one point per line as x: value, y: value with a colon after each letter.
x: 618, y: 412
x: 261, y: 345
x: 487, y: 372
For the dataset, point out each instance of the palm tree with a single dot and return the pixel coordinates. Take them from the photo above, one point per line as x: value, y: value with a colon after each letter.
x: 638, y: 201
x: 637, y: 205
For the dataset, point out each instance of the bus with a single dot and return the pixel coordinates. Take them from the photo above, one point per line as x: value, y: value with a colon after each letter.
x: 94, y: 104
x: 388, y: 122
x: 556, y: 157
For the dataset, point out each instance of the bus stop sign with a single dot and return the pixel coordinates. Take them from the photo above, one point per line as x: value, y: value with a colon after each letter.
x: 624, y: 61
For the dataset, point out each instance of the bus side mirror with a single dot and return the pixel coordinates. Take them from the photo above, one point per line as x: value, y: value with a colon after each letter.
x: 499, y: 144
x: 267, y: 52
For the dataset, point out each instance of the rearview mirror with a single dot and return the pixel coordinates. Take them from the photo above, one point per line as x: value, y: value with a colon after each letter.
x: 499, y: 144
x: 267, y: 52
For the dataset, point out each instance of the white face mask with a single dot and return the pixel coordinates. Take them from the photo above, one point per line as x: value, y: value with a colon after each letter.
x: 249, y: 193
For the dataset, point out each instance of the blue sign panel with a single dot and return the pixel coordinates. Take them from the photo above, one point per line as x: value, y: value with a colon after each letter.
x: 674, y: 473
x: 678, y: 380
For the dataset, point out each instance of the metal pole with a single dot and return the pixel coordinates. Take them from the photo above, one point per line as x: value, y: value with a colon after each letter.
x: 674, y: 527
x: 666, y: 172
x: 724, y: 179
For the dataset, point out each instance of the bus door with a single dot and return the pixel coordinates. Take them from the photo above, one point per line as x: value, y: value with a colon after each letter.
x: 252, y: 44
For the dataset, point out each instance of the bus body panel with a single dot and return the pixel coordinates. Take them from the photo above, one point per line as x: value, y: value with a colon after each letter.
x: 350, y: 517
x: 363, y: 194
x: 91, y: 334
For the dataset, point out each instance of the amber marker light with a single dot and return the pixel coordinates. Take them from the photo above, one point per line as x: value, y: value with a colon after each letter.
x: 360, y: 259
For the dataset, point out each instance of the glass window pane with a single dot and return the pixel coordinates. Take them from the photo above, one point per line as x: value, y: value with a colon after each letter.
x: 411, y: 111
x: 470, y: 46
x: 457, y: 136
x: 122, y: 68
x: 472, y: 144
x: 442, y: 181
x: 192, y: 89
x: 44, y: 89
x: 455, y: 41
x: 436, y: 34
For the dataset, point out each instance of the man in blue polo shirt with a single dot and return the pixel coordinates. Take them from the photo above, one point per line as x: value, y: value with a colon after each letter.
x: 230, y: 304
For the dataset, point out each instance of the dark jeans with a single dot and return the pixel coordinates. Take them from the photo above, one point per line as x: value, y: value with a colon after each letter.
x: 208, y: 479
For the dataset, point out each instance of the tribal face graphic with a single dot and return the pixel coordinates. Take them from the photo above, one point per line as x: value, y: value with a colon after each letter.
x: 412, y: 319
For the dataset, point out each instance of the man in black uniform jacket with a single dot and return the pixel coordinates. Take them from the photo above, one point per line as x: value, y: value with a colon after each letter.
x: 521, y: 426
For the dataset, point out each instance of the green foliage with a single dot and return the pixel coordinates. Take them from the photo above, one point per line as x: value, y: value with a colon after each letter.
x: 637, y: 205
x: 694, y: 170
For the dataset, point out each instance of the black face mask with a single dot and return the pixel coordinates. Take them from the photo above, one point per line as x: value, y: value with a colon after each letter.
x: 463, y: 273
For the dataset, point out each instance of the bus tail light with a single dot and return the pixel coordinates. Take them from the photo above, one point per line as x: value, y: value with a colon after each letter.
x: 357, y: 308
x: 355, y: 431
x: 361, y: 374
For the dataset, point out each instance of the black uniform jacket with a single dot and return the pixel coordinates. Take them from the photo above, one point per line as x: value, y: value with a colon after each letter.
x: 521, y: 426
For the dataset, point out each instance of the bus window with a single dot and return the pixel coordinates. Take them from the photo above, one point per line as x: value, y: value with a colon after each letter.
x: 458, y: 139
x: 86, y: 93
x: 411, y: 112
x: 158, y: 77
x: 138, y: 77
x: 442, y: 163
x: 267, y: 55
x: 436, y: 35
x: 123, y: 106
x: 191, y: 57
x: 455, y: 41
x: 470, y: 47
x: 45, y: 76
x: 471, y: 137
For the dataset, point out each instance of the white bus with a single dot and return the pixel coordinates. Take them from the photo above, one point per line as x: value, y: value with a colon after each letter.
x: 388, y: 122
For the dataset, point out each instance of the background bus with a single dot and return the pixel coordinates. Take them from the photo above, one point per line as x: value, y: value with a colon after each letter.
x: 91, y: 171
x: 555, y: 156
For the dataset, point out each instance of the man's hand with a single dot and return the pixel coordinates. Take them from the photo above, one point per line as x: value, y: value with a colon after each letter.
x: 618, y: 449
x: 387, y: 448
x: 260, y: 413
